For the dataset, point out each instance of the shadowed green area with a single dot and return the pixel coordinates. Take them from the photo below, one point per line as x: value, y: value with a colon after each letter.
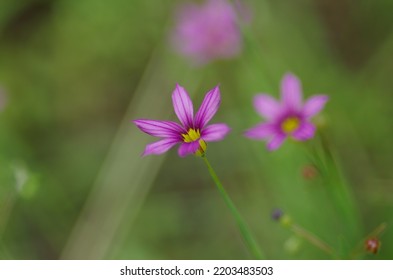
x: 73, y: 184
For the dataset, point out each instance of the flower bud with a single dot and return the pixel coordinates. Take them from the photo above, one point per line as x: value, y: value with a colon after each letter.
x: 277, y: 213
x: 279, y: 216
x: 309, y: 172
x: 372, y: 245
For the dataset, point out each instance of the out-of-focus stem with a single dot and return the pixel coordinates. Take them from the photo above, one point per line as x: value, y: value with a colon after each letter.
x: 340, y: 190
x: 247, y: 236
x: 313, y: 239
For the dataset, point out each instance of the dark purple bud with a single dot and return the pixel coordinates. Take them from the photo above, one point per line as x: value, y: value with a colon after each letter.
x: 277, y: 214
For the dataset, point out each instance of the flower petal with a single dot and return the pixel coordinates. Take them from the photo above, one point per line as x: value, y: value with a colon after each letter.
x: 291, y: 92
x: 276, y: 141
x: 304, y: 132
x: 314, y: 105
x: 267, y: 106
x: 209, y: 107
x: 166, y: 129
x: 261, y: 131
x: 183, y: 107
x: 215, y: 132
x: 188, y: 148
x: 160, y: 147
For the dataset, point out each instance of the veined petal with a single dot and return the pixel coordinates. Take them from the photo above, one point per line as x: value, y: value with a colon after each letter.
x: 304, y: 132
x: 183, y: 106
x: 261, y: 131
x: 291, y: 92
x: 188, y: 148
x: 276, y: 141
x: 314, y: 105
x: 209, y: 107
x: 166, y: 129
x: 215, y: 132
x: 160, y: 147
x: 267, y: 106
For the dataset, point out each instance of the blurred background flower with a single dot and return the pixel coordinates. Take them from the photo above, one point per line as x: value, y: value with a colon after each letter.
x: 77, y: 73
x: 290, y: 117
x: 208, y: 31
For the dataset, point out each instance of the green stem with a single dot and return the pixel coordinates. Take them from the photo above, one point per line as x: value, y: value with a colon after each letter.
x: 247, y: 236
x: 313, y: 239
x: 340, y: 190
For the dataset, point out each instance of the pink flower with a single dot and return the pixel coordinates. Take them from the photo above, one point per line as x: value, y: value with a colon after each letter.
x: 193, y: 132
x: 288, y: 118
x: 207, y: 32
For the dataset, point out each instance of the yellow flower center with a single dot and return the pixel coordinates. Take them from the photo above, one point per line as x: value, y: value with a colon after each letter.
x: 289, y: 125
x: 194, y: 135
x: 191, y: 135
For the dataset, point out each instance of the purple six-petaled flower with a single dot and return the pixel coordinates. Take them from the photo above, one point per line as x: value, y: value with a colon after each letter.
x: 288, y: 118
x: 193, y: 132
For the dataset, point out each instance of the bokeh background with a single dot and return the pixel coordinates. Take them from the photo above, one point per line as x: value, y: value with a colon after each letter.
x: 73, y: 73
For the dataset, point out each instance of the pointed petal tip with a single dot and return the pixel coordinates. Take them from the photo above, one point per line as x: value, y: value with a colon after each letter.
x: 291, y: 91
x: 182, y: 155
x: 261, y: 131
x: 215, y: 132
x: 138, y: 124
x: 210, y: 104
x: 266, y: 106
x: 164, y: 129
x: 249, y: 135
x: 144, y: 154
x: 160, y: 146
x: 270, y: 148
x: 289, y: 76
x: 323, y: 97
x: 314, y: 105
x: 215, y: 89
x: 276, y: 142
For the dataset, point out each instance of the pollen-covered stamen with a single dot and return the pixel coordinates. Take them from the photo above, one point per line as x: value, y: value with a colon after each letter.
x: 191, y: 136
x: 202, y: 148
x: 290, y: 125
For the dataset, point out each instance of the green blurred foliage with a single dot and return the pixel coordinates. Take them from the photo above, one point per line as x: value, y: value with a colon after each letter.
x: 72, y: 69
